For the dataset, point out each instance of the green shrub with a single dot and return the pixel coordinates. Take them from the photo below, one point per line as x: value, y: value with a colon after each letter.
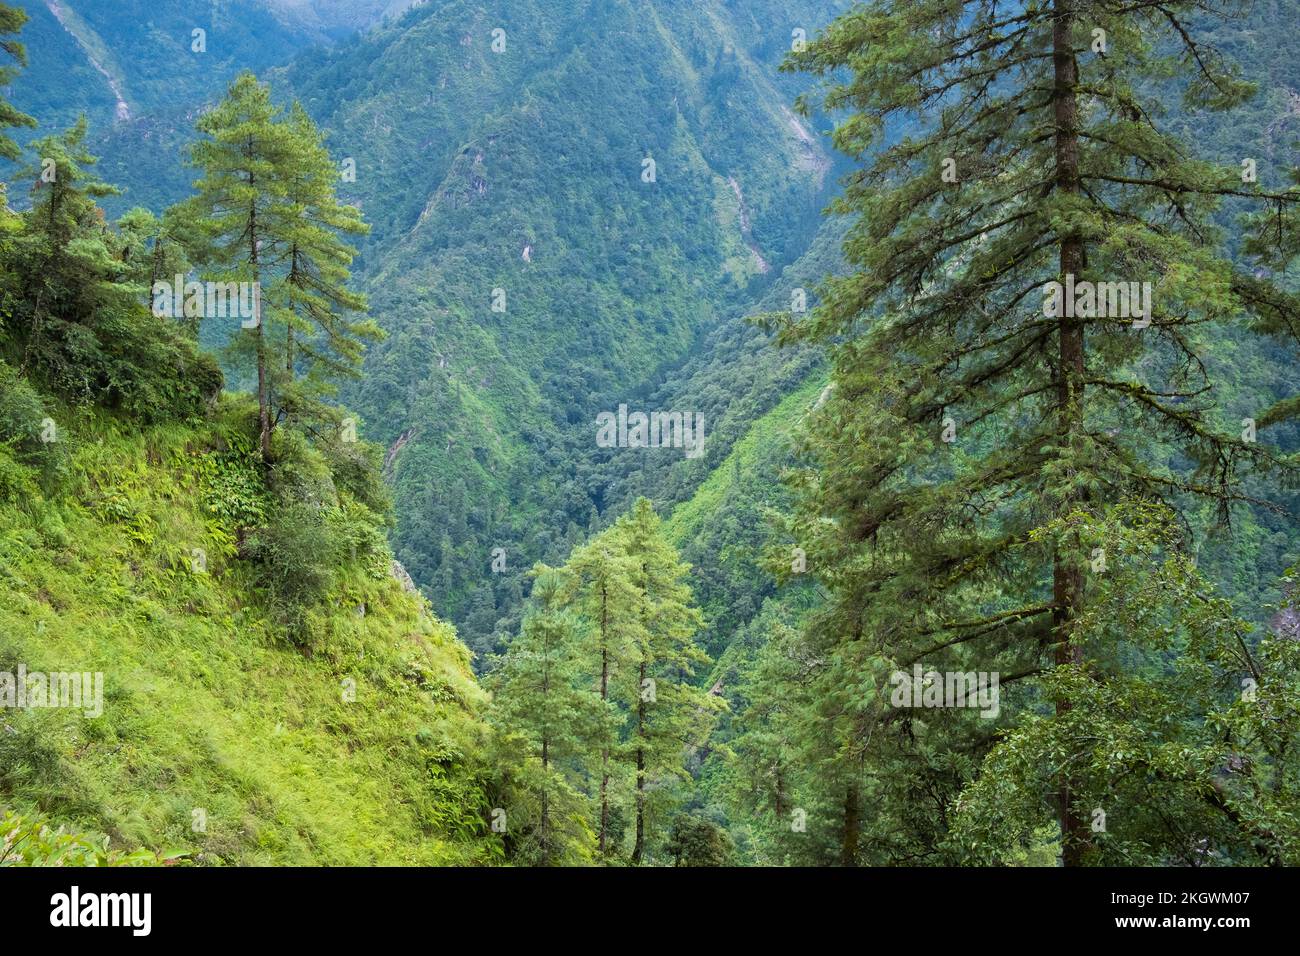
x: 28, y: 430
x: 300, y: 473
x: 146, y: 367
x: 16, y: 480
x: 698, y: 842
x: 30, y: 841
x: 294, y: 554
x: 357, y: 468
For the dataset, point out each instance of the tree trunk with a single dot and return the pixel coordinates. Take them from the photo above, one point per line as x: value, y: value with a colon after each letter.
x: 263, y: 396
x: 155, y: 266
x: 546, y: 816
x: 852, y: 826
x: 288, y: 331
x: 263, y: 392
x: 604, y: 696
x: 639, y: 848
x: 1067, y: 575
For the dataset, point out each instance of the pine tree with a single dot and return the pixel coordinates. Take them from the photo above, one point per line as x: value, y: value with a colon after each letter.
x: 604, y: 593
x: 787, y: 776
x: 540, y: 694
x: 12, y: 20
x: 153, y: 250
x: 66, y: 258
x: 320, y: 333
x: 670, y: 714
x: 74, y: 320
x: 969, y: 411
x: 240, y: 199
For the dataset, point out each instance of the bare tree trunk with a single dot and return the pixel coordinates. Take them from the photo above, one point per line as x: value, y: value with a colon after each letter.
x: 1067, y: 575
x: 263, y: 389
x: 288, y: 332
x: 546, y: 815
x: 852, y: 827
x: 639, y: 848
x: 604, y: 696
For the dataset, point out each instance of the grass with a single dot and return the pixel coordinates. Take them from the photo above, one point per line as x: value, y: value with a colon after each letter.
x: 769, y: 438
x: 219, y: 736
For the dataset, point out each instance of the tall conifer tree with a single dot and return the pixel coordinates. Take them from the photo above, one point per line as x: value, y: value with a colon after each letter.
x: 245, y: 165
x: 974, y: 401
x: 604, y: 592
x: 67, y: 259
x: 669, y: 714
x: 542, y: 696
x: 322, y: 331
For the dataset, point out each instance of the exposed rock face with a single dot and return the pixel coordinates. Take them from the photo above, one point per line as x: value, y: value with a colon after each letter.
x: 393, y: 449
x: 123, y: 111
x: 1286, y: 623
x: 399, y: 572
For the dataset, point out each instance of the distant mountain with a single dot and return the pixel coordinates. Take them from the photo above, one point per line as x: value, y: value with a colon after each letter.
x: 566, y: 200
x: 141, y: 70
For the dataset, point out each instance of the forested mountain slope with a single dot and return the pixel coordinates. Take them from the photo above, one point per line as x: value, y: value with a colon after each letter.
x: 575, y: 208
x: 497, y: 180
x: 141, y: 71
x: 544, y: 251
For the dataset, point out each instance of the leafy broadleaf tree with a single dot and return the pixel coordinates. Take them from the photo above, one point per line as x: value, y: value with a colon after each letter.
x: 697, y: 842
x: 973, y: 403
x: 1187, y: 725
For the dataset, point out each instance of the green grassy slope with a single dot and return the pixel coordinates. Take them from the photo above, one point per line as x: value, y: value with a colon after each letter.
x: 208, y: 708
x: 722, y: 529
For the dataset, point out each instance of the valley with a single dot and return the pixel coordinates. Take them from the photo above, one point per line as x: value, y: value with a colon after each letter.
x: 608, y: 360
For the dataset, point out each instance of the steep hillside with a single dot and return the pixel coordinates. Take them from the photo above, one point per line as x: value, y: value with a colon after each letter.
x: 352, y: 736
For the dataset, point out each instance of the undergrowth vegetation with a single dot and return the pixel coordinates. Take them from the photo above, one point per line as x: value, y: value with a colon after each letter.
x: 271, y: 693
